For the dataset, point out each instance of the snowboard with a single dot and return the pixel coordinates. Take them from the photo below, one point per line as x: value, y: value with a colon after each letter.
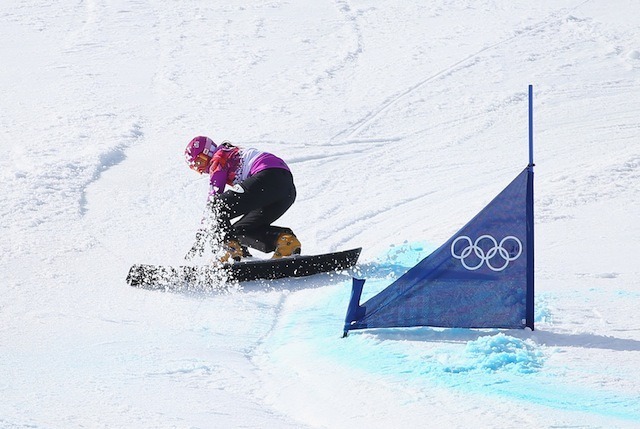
x: 162, y: 277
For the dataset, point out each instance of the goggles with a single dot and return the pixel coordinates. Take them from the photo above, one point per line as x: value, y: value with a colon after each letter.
x: 200, y: 163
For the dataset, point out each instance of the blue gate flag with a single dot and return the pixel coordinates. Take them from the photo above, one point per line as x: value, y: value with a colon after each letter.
x: 482, y: 277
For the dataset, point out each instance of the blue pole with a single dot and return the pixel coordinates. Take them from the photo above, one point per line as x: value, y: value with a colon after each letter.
x: 354, y: 311
x: 531, y: 126
x: 530, y: 308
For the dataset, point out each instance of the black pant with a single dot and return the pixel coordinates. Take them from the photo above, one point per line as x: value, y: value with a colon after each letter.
x: 267, y: 196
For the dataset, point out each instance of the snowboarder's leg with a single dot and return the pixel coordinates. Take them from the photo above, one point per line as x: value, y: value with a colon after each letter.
x: 255, y: 230
x: 265, y: 197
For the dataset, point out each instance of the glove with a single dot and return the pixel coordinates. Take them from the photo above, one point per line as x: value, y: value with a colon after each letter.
x: 198, y: 245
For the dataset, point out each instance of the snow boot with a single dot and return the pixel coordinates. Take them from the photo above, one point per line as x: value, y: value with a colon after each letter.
x: 287, y: 244
x: 233, y: 251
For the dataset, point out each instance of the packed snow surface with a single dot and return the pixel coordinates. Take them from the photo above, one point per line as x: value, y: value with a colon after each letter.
x: 400, y: 121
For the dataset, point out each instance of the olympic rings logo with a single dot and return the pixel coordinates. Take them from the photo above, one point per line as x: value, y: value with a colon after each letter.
x: 486, y: 249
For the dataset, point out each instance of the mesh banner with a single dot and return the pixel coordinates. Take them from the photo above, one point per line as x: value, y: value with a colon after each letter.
x: 482, y: 277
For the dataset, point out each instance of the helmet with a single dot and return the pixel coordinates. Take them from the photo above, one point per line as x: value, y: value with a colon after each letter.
x: 199, y: 152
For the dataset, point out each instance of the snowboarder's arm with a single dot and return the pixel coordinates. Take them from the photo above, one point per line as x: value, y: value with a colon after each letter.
x: 218, y: 181
x: 221, y: 170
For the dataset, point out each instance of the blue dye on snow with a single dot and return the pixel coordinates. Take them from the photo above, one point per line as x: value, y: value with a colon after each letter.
x: 407, y: 254
x: 395, y: 261
x: 497, y: 352
x: 487, y: 362
x: 542, y: 312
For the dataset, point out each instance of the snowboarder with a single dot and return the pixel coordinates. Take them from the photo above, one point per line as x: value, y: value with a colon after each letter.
x: 261, y: 191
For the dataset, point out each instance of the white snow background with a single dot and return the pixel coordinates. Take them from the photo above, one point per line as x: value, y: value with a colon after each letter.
x: 400, y: 120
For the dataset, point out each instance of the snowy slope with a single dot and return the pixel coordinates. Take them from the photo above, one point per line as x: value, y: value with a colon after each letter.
x: 400, y: 121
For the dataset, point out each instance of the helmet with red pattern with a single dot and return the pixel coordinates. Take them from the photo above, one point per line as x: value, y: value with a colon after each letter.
x: 199, y: 152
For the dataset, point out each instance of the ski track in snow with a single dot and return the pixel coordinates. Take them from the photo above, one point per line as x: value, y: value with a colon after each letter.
x: 464, y: 63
